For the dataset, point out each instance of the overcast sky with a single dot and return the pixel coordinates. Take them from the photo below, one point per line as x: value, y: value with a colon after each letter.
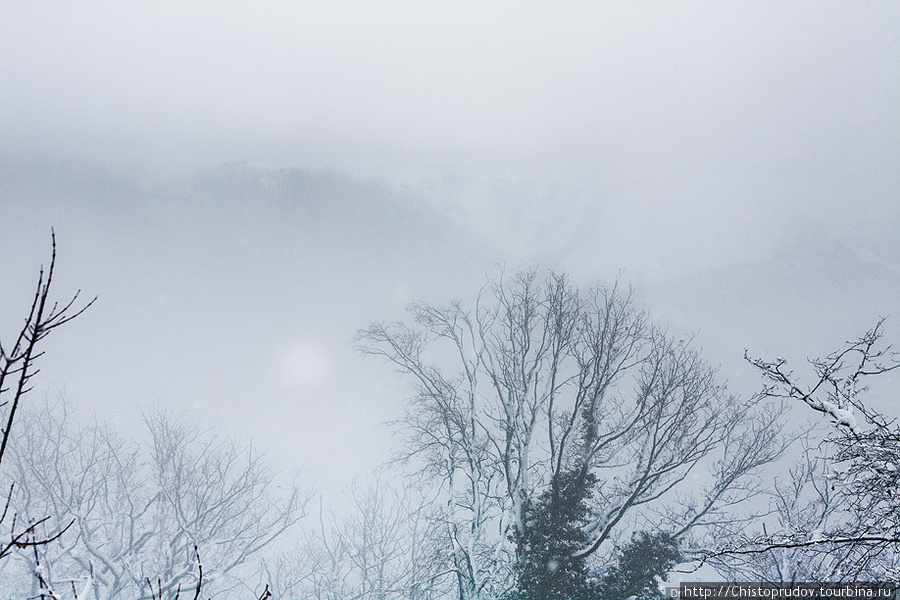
x: 684, y: 142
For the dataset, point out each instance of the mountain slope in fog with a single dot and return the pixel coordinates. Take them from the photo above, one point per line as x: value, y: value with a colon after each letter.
x: 233, y: 287
x: 803, y: 302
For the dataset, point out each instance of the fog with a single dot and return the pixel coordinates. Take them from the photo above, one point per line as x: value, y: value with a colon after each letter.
x: 244, y: 188
x: 661, y: 141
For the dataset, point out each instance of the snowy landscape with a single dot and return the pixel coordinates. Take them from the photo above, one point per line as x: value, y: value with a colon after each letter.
x: 470, y: 302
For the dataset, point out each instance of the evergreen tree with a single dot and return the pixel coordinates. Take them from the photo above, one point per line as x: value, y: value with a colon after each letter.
x: 546, y: 569
x: 640, y: 567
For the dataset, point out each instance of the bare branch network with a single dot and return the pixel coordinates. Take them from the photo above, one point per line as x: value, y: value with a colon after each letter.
x: 123, y: 520
x: 541, y: 392
x: 139, y: 509
x: 17, y: 368
x: 548, y: 425
x: 839, y: 517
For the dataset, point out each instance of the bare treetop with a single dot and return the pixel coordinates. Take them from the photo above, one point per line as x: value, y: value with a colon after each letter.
x: 544, y: 388
x: 17, y: 367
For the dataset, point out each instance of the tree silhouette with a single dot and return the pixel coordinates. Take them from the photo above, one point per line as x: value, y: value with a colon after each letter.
x: 17, y: 368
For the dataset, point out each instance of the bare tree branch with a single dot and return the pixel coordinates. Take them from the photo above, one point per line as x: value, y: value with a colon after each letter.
x: 17, y: 368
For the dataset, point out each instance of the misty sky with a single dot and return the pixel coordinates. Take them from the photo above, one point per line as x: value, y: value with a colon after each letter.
x: 739, y: 161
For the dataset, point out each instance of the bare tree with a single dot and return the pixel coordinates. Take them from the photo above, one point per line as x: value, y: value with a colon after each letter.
x: 139, y: 511
x: 17, y: 368
x: 539, y: 386
x: 157, y: 594
x: 841, y: 519
x: 804, y: 505
x: 384, y: 548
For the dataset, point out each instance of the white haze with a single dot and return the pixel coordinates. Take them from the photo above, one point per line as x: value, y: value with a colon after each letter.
x: 739, y: 161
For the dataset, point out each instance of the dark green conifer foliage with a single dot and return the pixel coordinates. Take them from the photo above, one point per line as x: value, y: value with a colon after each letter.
x: 640, y: 567
x: 546, y: 569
